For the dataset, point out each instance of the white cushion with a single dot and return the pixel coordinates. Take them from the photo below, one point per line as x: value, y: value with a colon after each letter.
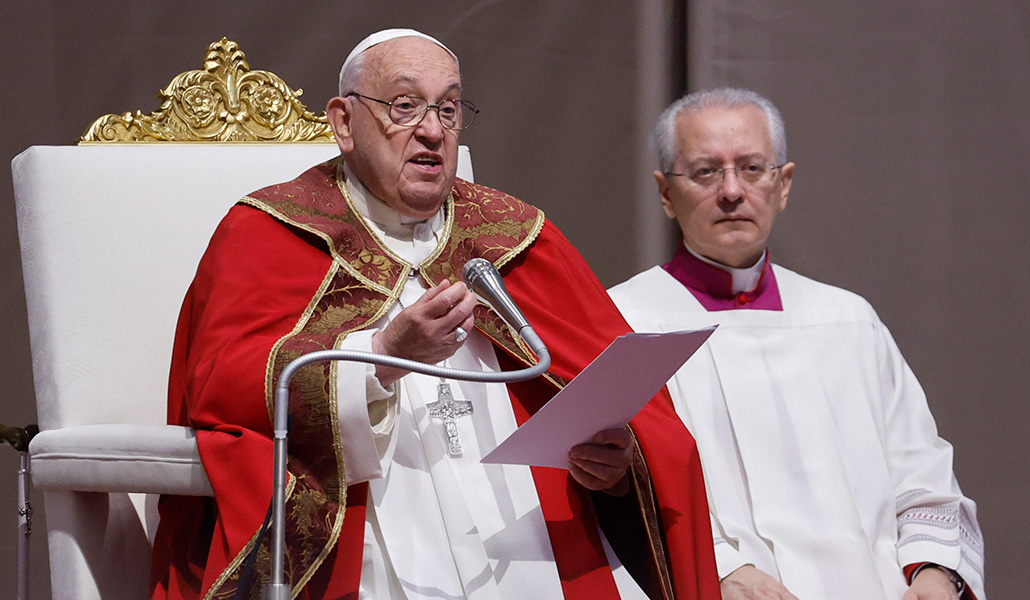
x: 156, y: 459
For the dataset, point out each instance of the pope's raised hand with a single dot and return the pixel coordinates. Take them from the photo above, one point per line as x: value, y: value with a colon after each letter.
x: 426, y: 331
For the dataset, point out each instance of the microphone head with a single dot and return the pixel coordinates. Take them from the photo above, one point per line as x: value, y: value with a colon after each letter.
x: 476, y: 269
x: 482, y: 278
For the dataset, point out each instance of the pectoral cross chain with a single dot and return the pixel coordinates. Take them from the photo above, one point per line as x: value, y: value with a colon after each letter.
x: 449, y: 409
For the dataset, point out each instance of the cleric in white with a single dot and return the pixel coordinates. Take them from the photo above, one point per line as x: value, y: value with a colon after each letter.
x: 825, y: 474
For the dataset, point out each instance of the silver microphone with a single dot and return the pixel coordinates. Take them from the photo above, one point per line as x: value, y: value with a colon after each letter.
x: 482, y: 278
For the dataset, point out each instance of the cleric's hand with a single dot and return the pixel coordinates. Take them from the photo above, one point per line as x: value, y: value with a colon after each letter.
x: 931, y: 584
x: 426, y: 331
x: 602, y: 463
x: 750, y: 583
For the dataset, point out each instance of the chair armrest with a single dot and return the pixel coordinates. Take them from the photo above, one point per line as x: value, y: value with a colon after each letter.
x: 153, y: 459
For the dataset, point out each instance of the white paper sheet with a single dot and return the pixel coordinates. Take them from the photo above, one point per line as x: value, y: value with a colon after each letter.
x: 606, y: 395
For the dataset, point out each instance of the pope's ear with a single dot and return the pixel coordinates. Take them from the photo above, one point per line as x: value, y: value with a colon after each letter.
x: 663, y: 191
x: 338, y: 113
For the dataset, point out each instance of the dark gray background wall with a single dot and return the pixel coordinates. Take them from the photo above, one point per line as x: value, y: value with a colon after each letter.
x: 908, y: 123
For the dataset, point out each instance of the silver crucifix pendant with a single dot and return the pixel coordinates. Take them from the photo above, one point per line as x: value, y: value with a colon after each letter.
x: 449, y: 409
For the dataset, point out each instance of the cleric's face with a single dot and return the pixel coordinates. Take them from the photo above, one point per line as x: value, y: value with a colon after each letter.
x: 729, y: 218
x: 411, y: 168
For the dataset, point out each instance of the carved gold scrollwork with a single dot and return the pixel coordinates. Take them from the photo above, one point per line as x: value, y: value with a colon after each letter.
x: 224, y: 102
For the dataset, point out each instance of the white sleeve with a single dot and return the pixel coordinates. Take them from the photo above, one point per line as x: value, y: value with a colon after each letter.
x: 936, y: 522
x: 728, y: 557
x: 367, y: 413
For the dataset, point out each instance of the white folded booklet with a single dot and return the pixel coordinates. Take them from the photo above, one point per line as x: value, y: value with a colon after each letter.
x: 606, y: 395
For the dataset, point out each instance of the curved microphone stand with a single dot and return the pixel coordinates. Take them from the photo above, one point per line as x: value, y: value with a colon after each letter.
x: 483, y: 279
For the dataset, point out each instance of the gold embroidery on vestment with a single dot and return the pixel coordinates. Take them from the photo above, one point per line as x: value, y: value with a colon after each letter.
x: 304, y: 318
x: 345, y: 265
x: 274, y: 356
x: 385, y: 260
x: 648, y: 504
x: 231, y: 572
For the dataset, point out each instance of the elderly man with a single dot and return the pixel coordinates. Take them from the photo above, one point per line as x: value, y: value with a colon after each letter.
x: 825, y: 475
x: 387, y: 495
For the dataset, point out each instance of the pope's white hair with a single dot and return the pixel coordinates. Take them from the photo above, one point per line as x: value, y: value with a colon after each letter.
x: 665, y: 130
x: 350, y: 75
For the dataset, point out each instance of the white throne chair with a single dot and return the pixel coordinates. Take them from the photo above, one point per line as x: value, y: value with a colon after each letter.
x: 111, y: 232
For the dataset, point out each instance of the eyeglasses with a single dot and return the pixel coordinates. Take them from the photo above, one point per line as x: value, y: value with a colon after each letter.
x: 408, y: 111
x: 751, y: 174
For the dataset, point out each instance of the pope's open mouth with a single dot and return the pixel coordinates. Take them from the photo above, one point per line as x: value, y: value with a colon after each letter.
x: 426, y: 162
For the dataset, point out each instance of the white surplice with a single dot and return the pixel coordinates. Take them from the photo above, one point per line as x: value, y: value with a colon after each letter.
x: 440, y: 526
x: 821, y: 458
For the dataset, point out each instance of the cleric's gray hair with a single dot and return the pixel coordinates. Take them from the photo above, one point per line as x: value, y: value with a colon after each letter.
x: 665, y: 130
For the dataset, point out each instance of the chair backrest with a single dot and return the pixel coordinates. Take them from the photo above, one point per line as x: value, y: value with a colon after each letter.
x: 110, y: 240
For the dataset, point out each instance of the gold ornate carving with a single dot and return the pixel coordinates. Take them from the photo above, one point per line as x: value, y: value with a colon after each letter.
x: 223, y: 102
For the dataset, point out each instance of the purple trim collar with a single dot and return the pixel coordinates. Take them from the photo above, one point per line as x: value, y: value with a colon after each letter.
x: 713, y: 287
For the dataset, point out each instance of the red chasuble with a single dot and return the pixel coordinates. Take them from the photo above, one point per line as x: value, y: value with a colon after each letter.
x: 291, y: 269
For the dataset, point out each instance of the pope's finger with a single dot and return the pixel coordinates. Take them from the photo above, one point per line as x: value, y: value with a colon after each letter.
x: 433, y: 292
x: 585, y: 478
x: 458, y: 314
x: 603, y: 473
x: 600, y: 455
x: 619, y: 438
x: 441, y: 304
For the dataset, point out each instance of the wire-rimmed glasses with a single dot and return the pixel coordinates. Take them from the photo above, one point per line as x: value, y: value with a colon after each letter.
x: 408, y: 111
x: 753, y: 174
